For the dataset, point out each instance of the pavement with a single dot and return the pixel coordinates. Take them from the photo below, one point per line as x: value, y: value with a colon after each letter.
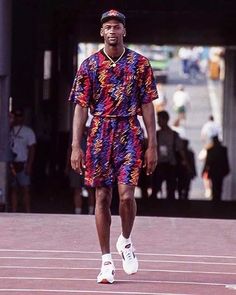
x: 59, y: 254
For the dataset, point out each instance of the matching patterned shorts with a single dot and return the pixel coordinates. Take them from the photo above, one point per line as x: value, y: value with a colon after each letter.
x: 114, y: 151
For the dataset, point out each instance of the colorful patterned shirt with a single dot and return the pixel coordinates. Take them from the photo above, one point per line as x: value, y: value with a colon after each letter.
x: 114, y: 91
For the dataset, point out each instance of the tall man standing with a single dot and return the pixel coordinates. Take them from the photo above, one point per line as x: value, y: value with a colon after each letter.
x: 117, y: 84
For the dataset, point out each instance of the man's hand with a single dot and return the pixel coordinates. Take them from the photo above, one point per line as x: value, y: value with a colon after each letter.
x: 150, y: 159
x: 77, y: 159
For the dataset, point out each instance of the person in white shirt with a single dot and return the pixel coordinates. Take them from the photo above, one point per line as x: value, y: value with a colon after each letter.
x: 160, y: 103
x: 210, y: 129
x: 184, y: 55
x: 22, y: 141
x: 181, y: 102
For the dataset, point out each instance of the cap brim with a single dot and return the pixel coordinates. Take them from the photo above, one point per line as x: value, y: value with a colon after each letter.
x: 107, y: 18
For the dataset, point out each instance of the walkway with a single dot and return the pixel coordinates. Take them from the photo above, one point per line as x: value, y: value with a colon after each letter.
x: 59, y: 254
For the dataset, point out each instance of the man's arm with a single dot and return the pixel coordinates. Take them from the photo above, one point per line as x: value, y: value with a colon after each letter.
x: 150, y: 159
x: 77, y: 154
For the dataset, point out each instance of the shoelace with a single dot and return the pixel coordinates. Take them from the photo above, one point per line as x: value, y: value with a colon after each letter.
x: 107, y: 268
x: 128, y: 253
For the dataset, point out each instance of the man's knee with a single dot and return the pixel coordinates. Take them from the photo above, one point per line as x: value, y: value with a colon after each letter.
x: 126, y: 194
x: 103, y: 197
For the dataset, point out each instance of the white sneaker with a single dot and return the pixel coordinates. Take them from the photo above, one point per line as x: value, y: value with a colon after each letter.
x: 129, y: 260
x: 107, y: 273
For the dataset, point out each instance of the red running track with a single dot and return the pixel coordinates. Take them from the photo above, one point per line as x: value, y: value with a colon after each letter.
x: 59, y: 254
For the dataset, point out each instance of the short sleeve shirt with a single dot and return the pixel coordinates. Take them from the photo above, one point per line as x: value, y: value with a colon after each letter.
x: 22, y: 137
x: 116, y: 91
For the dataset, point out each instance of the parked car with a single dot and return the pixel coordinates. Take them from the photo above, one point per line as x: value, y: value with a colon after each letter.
x: 159, y: 60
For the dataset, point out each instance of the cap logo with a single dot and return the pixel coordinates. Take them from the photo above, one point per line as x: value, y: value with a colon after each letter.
x: 113, y: 12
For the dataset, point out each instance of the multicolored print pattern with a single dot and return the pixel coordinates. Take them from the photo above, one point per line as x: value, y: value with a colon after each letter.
x: 115, y: 151
x: 114, y: 91
x: 115, y: 96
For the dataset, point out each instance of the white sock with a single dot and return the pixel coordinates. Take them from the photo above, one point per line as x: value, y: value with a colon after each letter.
x: 78, y: 210
x: 123, y: 240
x: 106, y: 257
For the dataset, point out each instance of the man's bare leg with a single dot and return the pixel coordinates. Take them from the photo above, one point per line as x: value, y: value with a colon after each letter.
x: 103, y: 223
x: 14, y: 199
x: 127, y: 209
x: 103, y: 217
x: 26, y: 198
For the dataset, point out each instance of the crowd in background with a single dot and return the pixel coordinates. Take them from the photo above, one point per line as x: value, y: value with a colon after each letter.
x: 176, y: 166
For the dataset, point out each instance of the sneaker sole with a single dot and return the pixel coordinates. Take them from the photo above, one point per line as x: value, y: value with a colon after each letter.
x: 105, y: 281
x: 131, y: 273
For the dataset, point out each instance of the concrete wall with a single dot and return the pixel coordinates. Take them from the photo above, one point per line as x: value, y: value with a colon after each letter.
x: 229, y: 121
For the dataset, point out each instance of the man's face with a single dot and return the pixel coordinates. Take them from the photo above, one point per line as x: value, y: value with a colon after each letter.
x: 162, y: 122
x: 113, y: 32
x: 18, y: 120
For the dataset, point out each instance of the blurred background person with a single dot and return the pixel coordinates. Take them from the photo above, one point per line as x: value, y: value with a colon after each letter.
x: 168, y: 145
x: 181, y: 102
x: 208, y: 131
x: 184, y: 54
x: 22, y: 141
x: 186, y: 172
x: 216, y: 67
x: 217, y: 167
x: 160, y: 103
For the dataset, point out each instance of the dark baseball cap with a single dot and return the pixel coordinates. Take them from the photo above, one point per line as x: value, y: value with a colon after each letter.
x: 113, y: 14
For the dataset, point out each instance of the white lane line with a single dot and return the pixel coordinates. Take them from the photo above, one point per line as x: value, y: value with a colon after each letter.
x: 124, y: 281
x: 99, y: 253
x: 118, y: 269
x: 87, y: 291
x: 98, y: 259
x: 232, y: 287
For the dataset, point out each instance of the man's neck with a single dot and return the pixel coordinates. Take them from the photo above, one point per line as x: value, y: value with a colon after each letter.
x: 166, y: 128
x: 114, y: 51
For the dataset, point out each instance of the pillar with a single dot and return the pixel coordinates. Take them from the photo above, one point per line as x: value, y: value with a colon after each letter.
x: 229, y: 121
x: 5, y: 66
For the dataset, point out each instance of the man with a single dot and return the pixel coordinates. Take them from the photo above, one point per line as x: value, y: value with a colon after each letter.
x: 186, y: 173
x: 181, y: 102
x: 23, y: 142
x: 217, y: 167
x: 169, y: 147
x: 209, y: 130
x: 117, y: 84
